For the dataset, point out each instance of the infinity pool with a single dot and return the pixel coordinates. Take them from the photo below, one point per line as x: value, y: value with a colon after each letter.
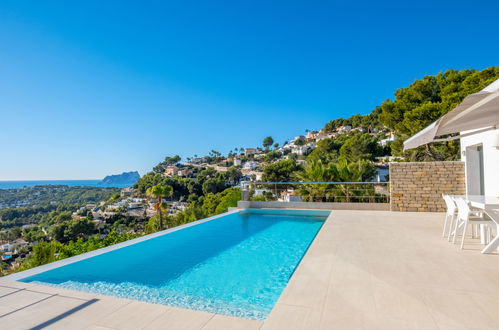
x: 237, y: 264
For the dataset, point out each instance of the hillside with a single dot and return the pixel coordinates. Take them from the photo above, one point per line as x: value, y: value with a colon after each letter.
x: 123, y: 179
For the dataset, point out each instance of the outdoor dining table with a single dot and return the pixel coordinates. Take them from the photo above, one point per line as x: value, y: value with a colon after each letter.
x: 490, y: 206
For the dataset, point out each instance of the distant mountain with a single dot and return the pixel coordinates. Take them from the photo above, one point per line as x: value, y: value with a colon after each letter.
x: 125, y: 178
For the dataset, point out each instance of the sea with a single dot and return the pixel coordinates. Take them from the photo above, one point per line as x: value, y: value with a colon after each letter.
x: 71, y: 183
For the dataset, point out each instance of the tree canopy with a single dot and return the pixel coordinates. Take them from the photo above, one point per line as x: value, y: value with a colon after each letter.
x: 173, y: 160
x: 282, y: 171
x: 425, y: 101
x: 267, y: 142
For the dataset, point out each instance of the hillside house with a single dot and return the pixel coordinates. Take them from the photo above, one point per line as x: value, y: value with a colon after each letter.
x: 299, y: 137
x: 184, y: 172
x: 384, y: 142
x: 219, y: 168
x: 249, y: 175
x: 302, y: 150
x: 289, y: 196
x: 320, y: 136
x: 250, y: 165
x: 312, y: 135
x: 171, y: 170
x: 6, y: 247
x: 197, y: 160
x: 20, y: 243
x: 344, y: 129
x: 128, y: 191
x: 250, y: 151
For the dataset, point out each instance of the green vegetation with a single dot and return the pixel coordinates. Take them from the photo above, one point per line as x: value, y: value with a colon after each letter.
x: 300, y: 141
x: 281, y: 171
x: 160, y: 168
x: 45, y: 252
x: 425, y: 101
x: 361, y: 146
x: 53, y: 194
x: 368, y: 122
x: 204, y: 206
x: 72, y: 229
x: 12, y: 216
x: 317, y: 171
x: 267, y: 142
x: 219, y: 203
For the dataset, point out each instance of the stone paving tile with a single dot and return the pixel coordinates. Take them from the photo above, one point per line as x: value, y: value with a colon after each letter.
x: 39, y: 314
x: 135, y: 315
x: 222, y: 322
x: 6, y: 290
x: 14, y: 284
x: 90, y: 314
x: 180, y: 318
x: 22, y: 298
x: 291, y: 317
x: 97, y: 327
x: 5, y: 310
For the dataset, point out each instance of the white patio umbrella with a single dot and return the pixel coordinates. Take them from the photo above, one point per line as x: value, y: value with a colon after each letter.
x: 478, y: 111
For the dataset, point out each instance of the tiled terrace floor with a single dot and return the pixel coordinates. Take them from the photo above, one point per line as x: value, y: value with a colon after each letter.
x: 365, y: 270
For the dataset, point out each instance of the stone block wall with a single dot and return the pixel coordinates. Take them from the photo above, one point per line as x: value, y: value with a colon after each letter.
x: 418, y: 186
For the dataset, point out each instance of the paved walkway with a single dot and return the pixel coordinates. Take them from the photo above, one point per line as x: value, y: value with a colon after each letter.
x: 365, y: 270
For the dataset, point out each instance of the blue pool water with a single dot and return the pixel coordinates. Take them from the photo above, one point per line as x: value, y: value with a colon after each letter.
x: 236, y: 265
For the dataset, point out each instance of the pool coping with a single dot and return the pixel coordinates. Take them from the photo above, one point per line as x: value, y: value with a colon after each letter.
x: 86, y: 255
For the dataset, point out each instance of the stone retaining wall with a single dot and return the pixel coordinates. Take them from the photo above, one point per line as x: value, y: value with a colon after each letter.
x: 418, y: 186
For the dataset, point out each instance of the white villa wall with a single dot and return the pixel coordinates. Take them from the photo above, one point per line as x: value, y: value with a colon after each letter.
x: 490, y: 161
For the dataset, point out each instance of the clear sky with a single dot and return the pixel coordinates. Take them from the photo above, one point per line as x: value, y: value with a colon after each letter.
x: 91, y: 88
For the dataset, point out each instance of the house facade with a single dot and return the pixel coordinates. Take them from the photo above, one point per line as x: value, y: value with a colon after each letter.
x: 480, y: 152
x: 250, y: 151
x: 171, y: 170
x: 250, y: 165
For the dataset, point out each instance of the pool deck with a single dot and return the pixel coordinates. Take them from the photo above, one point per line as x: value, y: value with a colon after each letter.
x: 364, y: 270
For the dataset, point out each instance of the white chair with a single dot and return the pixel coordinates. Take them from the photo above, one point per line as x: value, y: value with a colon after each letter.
x: 465, y: 217
x: 450, y: 215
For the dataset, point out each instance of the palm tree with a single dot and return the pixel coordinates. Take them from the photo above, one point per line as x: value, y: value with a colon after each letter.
x: 159, y: 192
x: 315, y: 171
x: 353, y: 172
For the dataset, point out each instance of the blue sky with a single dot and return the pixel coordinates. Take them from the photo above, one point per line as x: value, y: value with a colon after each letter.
x: 91, y: 88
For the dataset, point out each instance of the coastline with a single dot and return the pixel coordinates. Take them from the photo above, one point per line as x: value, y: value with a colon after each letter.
x: 19, y: 184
